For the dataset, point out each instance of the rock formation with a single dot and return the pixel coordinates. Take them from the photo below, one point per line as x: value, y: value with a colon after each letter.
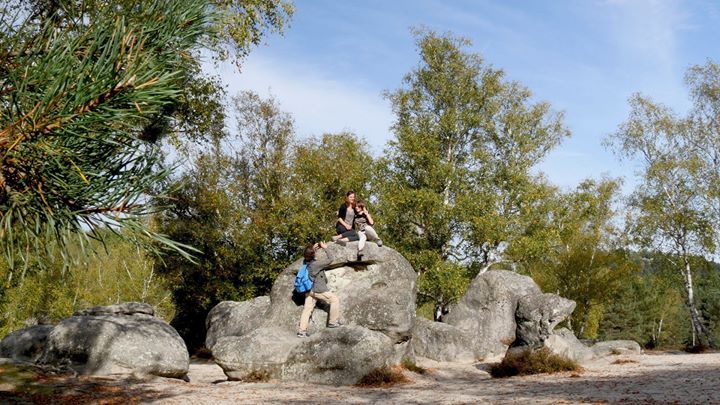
x: 105, y: 340
x: 377, y: 300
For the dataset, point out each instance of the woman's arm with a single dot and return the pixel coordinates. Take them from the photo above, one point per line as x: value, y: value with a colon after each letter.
x: 341, y: 217
x: 316, y: 266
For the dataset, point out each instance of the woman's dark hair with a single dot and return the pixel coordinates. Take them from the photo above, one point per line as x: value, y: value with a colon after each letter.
x: 309, y: 252
x: 349, y: 192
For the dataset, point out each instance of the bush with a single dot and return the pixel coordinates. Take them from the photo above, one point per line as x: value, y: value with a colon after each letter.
x: 256, y: 376
x: 526, y: 362
x: 697, y: 349
x: 623, y: 361
x: 382, y: 377
x: 112, y: 273
x: 409, y: 365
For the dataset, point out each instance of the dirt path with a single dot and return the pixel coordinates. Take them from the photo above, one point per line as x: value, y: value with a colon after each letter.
x: 676, y: 378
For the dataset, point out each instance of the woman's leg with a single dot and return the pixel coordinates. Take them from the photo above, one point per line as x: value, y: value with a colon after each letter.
x: 334, y: 302
x: 351, y: 235
x: 307, y: 311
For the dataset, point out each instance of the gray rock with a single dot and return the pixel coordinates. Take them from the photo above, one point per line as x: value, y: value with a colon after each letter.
x: 564, y: 343
x: 230, y: 318
x: 107, y: 344
x: 125, y: 308
x: 377, y: 303
x: 442, y: 342
x: 377, y: 293
x: 610, y: 347
x: 487, y: 310
x: 25, y: 344
x: 338, y: 356
x: 537, y: 315
x: 265, y: 349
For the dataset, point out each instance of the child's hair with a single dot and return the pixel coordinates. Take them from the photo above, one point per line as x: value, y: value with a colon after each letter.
x: 309, y: 252
x: 360, y: 204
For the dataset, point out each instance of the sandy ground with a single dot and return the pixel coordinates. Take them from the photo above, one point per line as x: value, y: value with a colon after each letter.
x: 675, y: 378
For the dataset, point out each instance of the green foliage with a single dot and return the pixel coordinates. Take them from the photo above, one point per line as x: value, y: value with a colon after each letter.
x: 527, y: 362
x: 649, y: 308
x: 442, y: 285
x: 70, y: 128
x: 579, y: 255
x: 677, y: 206
x: 455, y: 184
x: 117, y: 272
x: 243, y: 24
x: 251, y: 206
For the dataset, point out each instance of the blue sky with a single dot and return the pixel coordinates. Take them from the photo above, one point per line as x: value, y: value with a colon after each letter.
x: 586, y: 57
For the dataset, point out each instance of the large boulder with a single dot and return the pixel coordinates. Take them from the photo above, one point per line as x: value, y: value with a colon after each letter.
x: 377, y: 293
x: 487, y: 310
x: 564, y: 343
x: 265, y: 349
x: 338, y: 356
x: 230, y: 318
x: 537, y: 315
x: 118, y: 338
x: 25, y: 344
x: 609, y: 347
x: 377, y: 297
x: 442, y: 342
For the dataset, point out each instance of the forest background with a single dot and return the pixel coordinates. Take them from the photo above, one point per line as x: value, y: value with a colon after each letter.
x: 128, y: 178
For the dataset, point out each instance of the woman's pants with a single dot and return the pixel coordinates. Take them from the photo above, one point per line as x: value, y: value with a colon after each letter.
x: 310, y: 301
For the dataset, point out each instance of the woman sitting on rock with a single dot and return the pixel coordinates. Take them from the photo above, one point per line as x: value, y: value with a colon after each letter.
x: 346, y: 220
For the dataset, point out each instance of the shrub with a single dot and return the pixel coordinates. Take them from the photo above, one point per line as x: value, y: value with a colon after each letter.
x: 409, y: 365
x: 256, y: 376
x: 697, y: 349
x: 526, y: 362
x: 382, y: 377
x: 112, y: 273
x: 623, y: 361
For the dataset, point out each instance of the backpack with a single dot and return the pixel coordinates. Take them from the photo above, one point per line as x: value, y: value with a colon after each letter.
x: 303, y: 283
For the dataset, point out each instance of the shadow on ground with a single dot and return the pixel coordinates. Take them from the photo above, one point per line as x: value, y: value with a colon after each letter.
x: 21, y: 384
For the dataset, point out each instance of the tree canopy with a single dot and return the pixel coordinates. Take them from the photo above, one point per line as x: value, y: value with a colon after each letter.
x: 86, y: 90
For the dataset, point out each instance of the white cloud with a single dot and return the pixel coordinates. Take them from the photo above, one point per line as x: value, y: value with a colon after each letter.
x: 317, y: 103
x: 648, y: 27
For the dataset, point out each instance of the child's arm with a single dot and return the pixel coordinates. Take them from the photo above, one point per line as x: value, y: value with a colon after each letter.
x: 369, y: 218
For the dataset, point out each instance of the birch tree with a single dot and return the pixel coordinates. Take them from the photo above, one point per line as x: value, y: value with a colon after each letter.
x: 587, y: 262
x: 456, y: 183
x: 674, y: 203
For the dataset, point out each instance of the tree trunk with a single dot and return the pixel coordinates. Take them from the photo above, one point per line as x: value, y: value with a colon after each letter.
x: 583, y: 323
x: 700, y: 334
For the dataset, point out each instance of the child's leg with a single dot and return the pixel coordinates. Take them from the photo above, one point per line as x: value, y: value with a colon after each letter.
x: 371, y: 234
x: 363, y: 238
